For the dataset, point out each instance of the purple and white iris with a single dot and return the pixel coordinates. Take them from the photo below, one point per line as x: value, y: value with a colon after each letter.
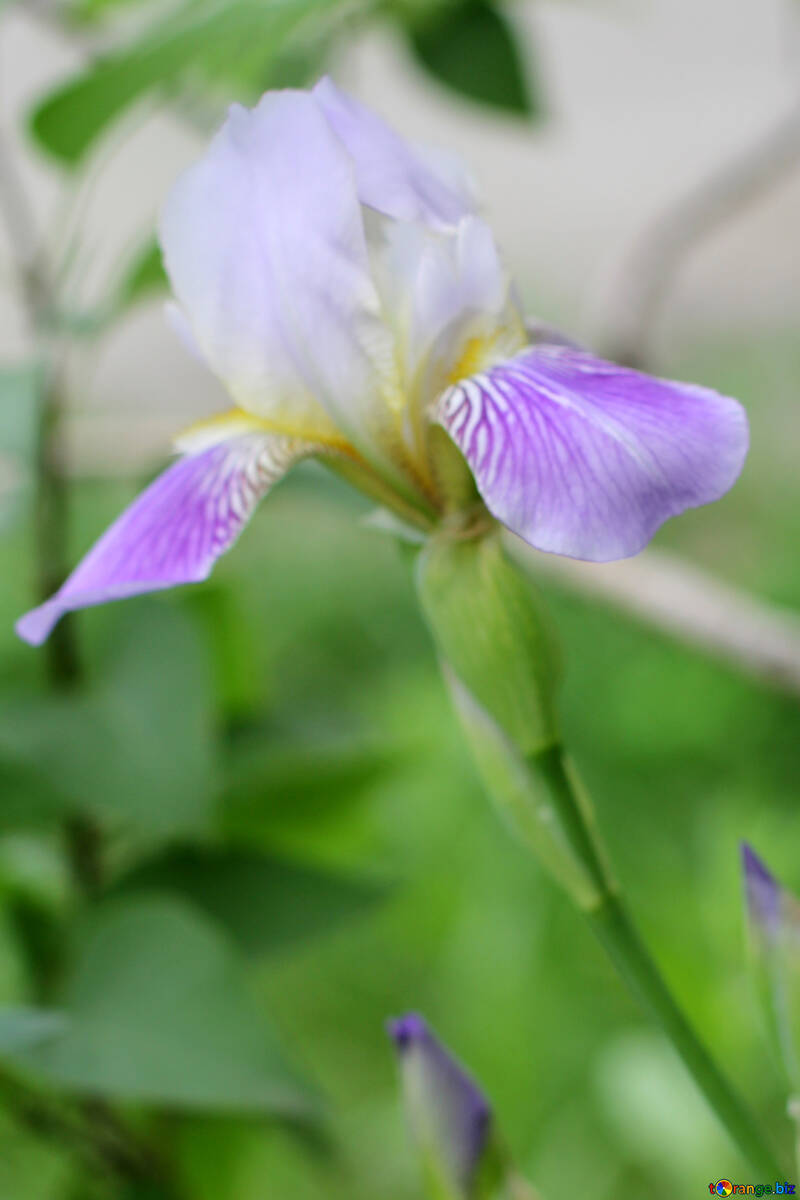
x: 341, y: 284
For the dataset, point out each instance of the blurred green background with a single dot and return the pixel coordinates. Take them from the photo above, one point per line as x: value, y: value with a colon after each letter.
x: 294, y: 843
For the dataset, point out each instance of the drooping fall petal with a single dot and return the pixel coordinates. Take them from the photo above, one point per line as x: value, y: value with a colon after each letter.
x: 176, y: 529
x: 585, y: 458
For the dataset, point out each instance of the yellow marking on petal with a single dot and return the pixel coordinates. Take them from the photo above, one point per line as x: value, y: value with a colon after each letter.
x: 236, y: 421
x: 481, y: 352
x: 472, y: 359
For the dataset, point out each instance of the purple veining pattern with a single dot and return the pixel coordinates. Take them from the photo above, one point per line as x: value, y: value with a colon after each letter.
x: 456, y: 1113
x: 176, y: 530
x: 587, y: 459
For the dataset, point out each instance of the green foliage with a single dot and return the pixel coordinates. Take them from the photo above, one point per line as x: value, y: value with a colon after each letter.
x: 157, y: 1011
x: 265, y: 903
x: 136, y: 748
x: 344, y: 750
x: 206, y: 39
x: 21, y: 1028
x: 471, y: 47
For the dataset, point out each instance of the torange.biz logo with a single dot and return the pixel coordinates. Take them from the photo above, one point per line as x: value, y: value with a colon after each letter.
x: 724, y: 1187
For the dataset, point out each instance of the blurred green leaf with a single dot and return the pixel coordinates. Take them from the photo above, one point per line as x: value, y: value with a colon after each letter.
x: 139, y: 746
x: 159, y: 1012
x: 211, y: 38
x: 21, y: 1028
x: 265, y: 903
x: 231, y: 638
x: 272, y: 786
x: 20, y: 397
x: 471, y: 48
x: 308, y: 801
x: 31, y: 1167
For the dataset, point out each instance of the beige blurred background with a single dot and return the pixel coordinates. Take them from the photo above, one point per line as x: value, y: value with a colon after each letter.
x: 645, y: 97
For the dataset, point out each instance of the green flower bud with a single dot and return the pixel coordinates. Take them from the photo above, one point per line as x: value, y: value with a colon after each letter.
x: 774, y: 920
x: 500, y: 658
x: 452, y: 1121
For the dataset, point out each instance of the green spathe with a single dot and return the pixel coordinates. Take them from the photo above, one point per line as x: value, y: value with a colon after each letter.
x: 491, y: 628
x: 501, y: 662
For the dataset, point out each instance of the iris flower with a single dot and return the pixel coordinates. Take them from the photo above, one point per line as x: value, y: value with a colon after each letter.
x: 342, y: 285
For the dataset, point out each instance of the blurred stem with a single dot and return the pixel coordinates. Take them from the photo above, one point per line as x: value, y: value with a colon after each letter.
x: 502, y: 666
x: 616, y: 931
x: 37, y: 290
x: 52, y: 522
x: 661, y: 249
x: 62, y: 659
x: 86, y: 1131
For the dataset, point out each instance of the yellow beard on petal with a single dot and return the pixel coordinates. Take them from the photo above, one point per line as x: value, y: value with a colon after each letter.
x: 481, y: 352
x: 236, y: 421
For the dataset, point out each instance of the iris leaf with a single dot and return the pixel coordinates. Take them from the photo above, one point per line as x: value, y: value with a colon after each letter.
x: 265, y: 903
x: 471, y: 48
x: 138, y: 749
x: 158, y: 1011
x: 212, y: 39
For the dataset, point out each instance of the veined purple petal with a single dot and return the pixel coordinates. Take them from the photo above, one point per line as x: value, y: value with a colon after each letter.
x: 403, y: 180
x: 450, y: 1114
x: 763, y: 892
x: 585, y: 458
x: 176, y: 530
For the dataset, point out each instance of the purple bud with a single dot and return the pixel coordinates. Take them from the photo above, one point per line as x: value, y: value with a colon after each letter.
x: 764, y: 893
x: 450, y: 1115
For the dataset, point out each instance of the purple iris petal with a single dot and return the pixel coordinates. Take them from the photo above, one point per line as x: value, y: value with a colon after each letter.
x: 763, y: 892
x: 394, y: 176
x: 176, y: 530
x: 264, y: 245
x: 450, y: 1114
x: 585, y: 458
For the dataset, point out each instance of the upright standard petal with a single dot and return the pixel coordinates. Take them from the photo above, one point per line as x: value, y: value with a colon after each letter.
x: 264, y: 244
x: 449, y: 1113
x: 177, y: 529
x: 585, y: 458
x: 398, y: 178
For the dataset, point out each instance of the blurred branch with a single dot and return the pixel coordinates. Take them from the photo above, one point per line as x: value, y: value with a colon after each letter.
x: 22, y: 237
x: 659, y: 252
x: 683, y: 601
x: 84, y: 839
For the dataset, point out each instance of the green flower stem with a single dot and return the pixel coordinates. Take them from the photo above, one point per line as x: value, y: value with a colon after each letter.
x: 500, y: 660
x: 614, y: 928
